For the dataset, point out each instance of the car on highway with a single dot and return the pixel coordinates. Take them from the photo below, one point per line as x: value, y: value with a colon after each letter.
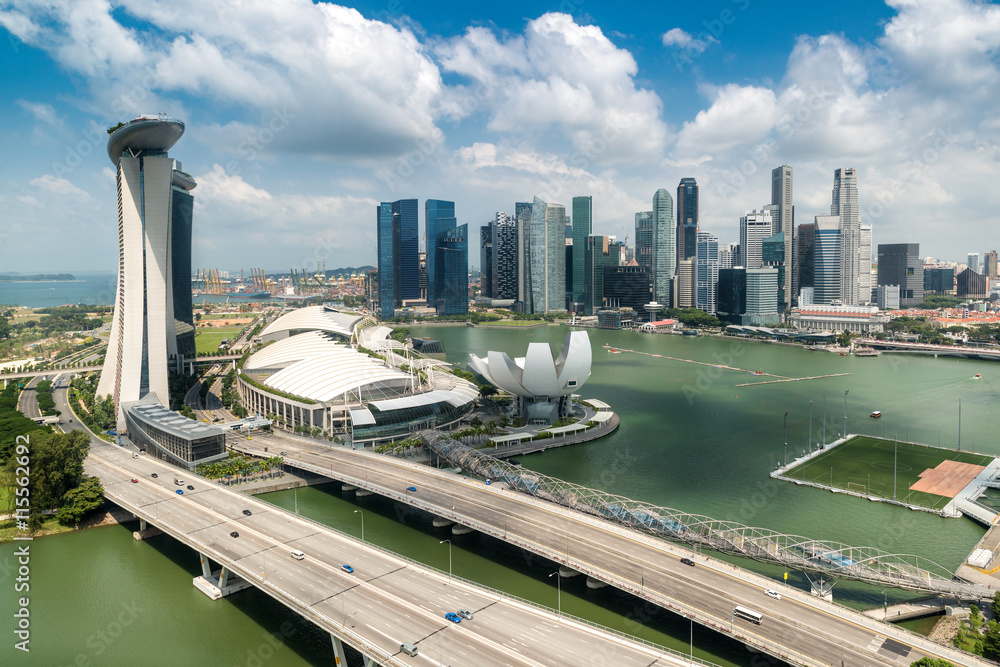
x: 190, y: 488
x: 180, y: 492
x: 687, y: 561
x: 411, y: 489
x: 282, y: 453
x: 465, y: 613
x: 453, y: 617
x: 154, y: 475
x: 488, y: 482
x: 772, y: 594
x: 347, y: 568
x: 247, y: 512
x: 234, y: 534
x: 135, y: 481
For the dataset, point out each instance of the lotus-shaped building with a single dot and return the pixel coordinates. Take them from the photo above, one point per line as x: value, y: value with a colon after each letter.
x: 542, y: 385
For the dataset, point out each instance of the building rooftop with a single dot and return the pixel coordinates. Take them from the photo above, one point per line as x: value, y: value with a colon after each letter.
x: 171, y: 422
x: 144, y: 133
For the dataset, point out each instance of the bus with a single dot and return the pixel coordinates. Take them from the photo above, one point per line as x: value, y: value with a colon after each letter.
x: 748, y: 614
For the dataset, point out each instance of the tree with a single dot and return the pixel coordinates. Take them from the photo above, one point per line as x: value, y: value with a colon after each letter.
x: 995, y: 605
x: 81, y: 501
x: 931, y: 662
x: 991, y: 645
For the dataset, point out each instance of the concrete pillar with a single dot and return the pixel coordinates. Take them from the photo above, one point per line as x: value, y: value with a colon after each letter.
x: 206, y: 567
x: 223, y: 577
x: 370, y: 662
x: 142, y: 524
x: 338, y: 651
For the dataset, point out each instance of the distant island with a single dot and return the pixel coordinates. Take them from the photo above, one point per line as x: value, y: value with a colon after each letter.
x: 37, y: 278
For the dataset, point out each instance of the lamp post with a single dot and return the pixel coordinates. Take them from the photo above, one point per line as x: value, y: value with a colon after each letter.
x: 558, y: 590
x: 960, y: 426
x: 786, y: 438
x: 846, y: 391
x: 810, y: 427
x: 895, y: 444
x: 824, y: 421
x: 362, y: 523
x: 449, y: 556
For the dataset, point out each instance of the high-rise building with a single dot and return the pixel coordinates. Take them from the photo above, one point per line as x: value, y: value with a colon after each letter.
x: 804, y: 251
x: 772, y: 253
x: 154, y: 230
x: 900, y: 264
x: 687, y: 218
x: 826, y: 260
x: 627, y: 287
x: 664, y: 246
x: 762, y: 296
x: 706, y: 271
x: 972, y: 261
x: 845, y: 205
x: 731, y: 301
x: 548, y: 257
x: 451, y: 271
x: 498, y: 256
x: 971, y: 284
x: 439, y: 217
x: 728, y: 255
x: 601, y: 252
x: 522, y: 217
x: 939, y: 280
x: 991, y: 265
x: 755, y: 226
x: 583, y: 227
x: 684, y: 284
x: 865, y: 264
x: 784, y: 222
x: 398, y: 255
x: 644, y: 239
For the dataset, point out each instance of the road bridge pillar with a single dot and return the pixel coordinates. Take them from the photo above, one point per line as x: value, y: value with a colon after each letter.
x: 338, y: 651
x: 142, y: 524
x: 370, y: 662
x: 223, y: 577
x: 206, y: 566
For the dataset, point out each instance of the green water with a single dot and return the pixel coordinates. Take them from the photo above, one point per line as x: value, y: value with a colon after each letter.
x: 689, y: 439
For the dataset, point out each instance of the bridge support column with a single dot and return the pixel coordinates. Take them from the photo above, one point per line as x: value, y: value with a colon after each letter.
x: 370, y: 662
x: 142, y: 524
x: 821, y: 588
x: 206, y: 566
x: 338, y: 651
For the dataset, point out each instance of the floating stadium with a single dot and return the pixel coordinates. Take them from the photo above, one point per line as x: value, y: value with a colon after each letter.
x: 338, y: 374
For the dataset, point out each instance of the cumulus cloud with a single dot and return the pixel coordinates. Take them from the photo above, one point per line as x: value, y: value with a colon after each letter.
x: 42, y: 112
x: 59, y: 186
x: 682, y: 39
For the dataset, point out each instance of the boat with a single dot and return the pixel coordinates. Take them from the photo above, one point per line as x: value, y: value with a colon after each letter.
x: 843, y: 354
x: 979, y: 376
x: 756, y: 372
x: 612, y: 350
x: 876, y: 414
x: 689, y: 332
x: 866, y: 352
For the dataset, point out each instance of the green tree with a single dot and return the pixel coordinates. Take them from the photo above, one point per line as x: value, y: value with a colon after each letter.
x: 931, y: 662
x: 81, y: 501
x: 995, y: 605
x: 991, y: 644
x: 56, y: 463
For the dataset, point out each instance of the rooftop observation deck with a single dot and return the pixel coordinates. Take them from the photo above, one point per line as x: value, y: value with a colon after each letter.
x: 144, y: 133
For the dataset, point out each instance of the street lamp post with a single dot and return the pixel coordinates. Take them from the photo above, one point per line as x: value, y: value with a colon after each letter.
x: 895, y: 444
x: 846, y: 391
x: 786, y: 438
x: 449, y: 556
x: 824, y: 421
x: 960, y: 426
x: 362, y: 523
x: 810, y: 427
x: 558, y: 590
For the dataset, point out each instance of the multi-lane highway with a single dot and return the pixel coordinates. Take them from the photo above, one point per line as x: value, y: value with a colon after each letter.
x: 798, y: 628
x: 384, y: 602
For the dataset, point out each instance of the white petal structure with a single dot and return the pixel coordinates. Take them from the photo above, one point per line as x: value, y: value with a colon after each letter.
x: 539, y: 381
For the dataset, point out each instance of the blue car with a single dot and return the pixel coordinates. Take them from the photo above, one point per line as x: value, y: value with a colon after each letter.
x: 179, y: 492
x: 411, y: 488
x: 347, y: 568
x: 453, y: 617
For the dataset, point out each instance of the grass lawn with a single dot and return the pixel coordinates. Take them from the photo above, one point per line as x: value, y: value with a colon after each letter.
x: 865, y: 465
x: 208, y: 339
x: 515, y: 323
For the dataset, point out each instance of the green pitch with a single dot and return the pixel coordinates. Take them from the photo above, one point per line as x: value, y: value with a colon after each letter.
x: 865, y: 465
x: 207, y: 339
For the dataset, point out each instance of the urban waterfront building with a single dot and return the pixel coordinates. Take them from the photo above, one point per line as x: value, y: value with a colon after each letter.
x: 547, y: 247
x: 755, y: 226
x: 888, y: 297
x: 522, y: 218
x: 762, y: 297
x: 971, y: 284
x: 731, y: 301
x: 972, y: 261
x: 664, y: 247
x: 498, y: 257
x: 627, y: 287
x: 398, y: 254
x: 784, y: 223
x: 583, y: 228
x: 153, y: 196
x: 855, y: 319
x: 486, y: 280
x: 990, y: 265
x: 439, y: 217
x: 729, y: 255
x: 687, y: 219
x: 684, y: 284
x: 601, y: 252
x: 899, y: 264
x: 706, y: 271
x: 644, y: 239
x: 939, y: 280
x: 805, y: 256
x: 772, y: 253
x: 451, y: 271
x: 826, y: 260
x: 172, y: 437
x: 845, y: 205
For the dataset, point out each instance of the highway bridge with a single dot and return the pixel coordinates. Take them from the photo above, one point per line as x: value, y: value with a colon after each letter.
x: 799, y: 628
x: 50, y: 372
x: 385, y: 601
x: 987, y: 353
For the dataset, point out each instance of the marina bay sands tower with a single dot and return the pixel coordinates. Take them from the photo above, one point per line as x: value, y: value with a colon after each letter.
x: 153, y: 322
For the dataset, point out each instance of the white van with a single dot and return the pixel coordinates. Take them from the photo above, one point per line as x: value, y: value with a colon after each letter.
x: 408, y: 649
x: 298, y: 555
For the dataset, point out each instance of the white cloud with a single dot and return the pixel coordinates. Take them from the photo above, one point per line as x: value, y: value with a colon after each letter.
x: 738, y: 115
x: 42, y: 112
x: 59, y: 186
x: 680, y: 38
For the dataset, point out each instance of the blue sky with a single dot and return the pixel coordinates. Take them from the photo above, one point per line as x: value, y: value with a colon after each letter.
x: 302, y: 116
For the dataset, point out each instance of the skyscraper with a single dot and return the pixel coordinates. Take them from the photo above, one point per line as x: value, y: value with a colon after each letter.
x: 487, y: 283
x: 601, y: 252
x: 152, y: 194
x: 664, y: 246
x: 865, y: 264
x: 644, y: 238
x: 498, y: 257
x: 439, y: 216
x: 398, y: 255
x: 522, y: 217
x: 687, y: 218
x: 451, y: 271
x: 387, y: 248
x: 548, y: 257
x: 826, y: 259
x: 784, y: 222
x: 755, y: 226
x: 900, y: 264
x: 845, y: 205
x: 583, y: 227
x: 972, y: 261
x: 805, y: 261
x: 991, y: 264
x: 706, y: 271
x: 685, y: 284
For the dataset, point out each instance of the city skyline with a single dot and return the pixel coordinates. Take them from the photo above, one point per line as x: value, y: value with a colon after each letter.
x: 292, y: 156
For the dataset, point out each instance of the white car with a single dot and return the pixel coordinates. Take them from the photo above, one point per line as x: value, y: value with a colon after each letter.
x: 772, y: 594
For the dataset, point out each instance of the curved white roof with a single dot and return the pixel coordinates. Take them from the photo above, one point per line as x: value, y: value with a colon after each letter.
x: 287, y: 351
x: 537, y: 374
x: 315, y: 318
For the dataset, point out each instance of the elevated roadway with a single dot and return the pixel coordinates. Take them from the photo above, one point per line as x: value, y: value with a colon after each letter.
x: 799, y: 628
x: 386, y: 601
